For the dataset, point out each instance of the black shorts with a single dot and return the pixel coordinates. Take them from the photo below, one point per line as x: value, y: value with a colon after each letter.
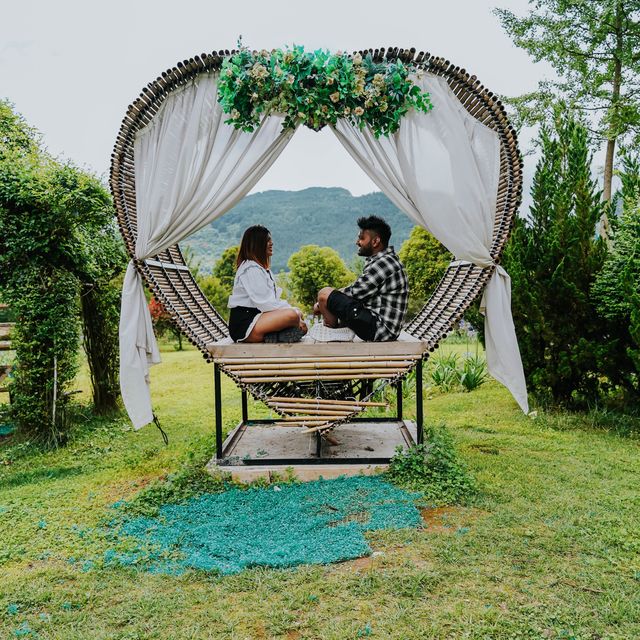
x: 353, y: 314
x: 240, y: 319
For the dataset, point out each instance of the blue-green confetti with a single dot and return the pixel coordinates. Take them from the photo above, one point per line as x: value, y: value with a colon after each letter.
x: 309, y: 523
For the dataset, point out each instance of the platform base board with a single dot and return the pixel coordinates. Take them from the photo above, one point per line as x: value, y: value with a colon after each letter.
x: 256, y: 450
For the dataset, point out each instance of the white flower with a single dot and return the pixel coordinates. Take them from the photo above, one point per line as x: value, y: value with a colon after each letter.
x: 334, y: 97
x: 229, y: 73
x: 330, y: 80
x: 235, y: 114
x: 357, y: 59
x: 346, y: 111
x: 290, y: 79
x: 358, y: 111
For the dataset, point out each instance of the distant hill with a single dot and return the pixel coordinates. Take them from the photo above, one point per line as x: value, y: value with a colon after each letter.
x: 318, y: 215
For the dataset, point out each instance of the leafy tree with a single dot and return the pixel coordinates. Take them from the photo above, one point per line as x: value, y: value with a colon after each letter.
x: 425, y: 260
x: 553, y: 258
x: 313, y: 268
x: 217, y: 293
x: 56, y: 236
x: 595, y: 49
x: 225, y: 268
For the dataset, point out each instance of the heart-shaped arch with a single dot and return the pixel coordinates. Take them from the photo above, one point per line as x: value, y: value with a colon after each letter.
x: 168, y: 277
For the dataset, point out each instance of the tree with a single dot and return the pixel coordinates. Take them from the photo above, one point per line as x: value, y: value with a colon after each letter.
x: 225, y: 267
x: 217, y: 294
x: 553, y: 258
x: 56, y: 237
x: 595, y: 49
x: 313, y: 268
x: 617, y: 290
x: 425, y: 260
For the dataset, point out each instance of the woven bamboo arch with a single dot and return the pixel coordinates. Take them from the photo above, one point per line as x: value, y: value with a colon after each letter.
x: 170, y: 281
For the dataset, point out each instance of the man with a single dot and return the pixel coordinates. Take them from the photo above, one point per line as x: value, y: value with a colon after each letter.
x: 374, y: 306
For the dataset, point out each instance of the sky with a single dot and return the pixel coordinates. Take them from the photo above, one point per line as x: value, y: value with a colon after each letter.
x: 72, y: 67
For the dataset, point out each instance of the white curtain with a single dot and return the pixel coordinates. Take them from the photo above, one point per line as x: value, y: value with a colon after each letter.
x: 190, y: 168
x: 442, y: 170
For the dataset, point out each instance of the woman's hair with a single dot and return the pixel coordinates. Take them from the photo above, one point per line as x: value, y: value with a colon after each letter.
x: 253, y: 246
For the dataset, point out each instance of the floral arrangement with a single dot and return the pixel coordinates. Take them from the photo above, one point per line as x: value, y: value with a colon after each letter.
x: 317, y: 88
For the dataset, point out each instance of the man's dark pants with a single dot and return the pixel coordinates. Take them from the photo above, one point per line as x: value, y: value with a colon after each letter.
x: 353, y: 314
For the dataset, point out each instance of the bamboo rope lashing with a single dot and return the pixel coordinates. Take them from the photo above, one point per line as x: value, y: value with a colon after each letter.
x: 299, y: 424
x: 326, y: 401
x: 321, y: 417
x: 338, y: 364
x: 294, y: 359
x: 351, y: 376
x: 320, y: 371
x: 315, y: 428
x: 310, y: 411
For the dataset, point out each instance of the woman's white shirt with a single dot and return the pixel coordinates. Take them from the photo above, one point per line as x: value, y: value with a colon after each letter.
x: 254, y: 286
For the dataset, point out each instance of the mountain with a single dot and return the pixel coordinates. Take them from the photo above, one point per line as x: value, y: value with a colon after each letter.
x: 318, y: 215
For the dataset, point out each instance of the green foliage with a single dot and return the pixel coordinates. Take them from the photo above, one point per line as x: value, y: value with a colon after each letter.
x: 425, y: 260
x: 316, y: 89
x: 593, y: 47
x: 473, y: 373
x: 433, y: 468
x: 216, y: 293
x: 444, y: 373
x: 313, y: 268
x: 45, y: 339
x: 617, y: 292
x: 225, y: 268
x: 56, y: 235
x: 448, y: 374
x: 553, y: 259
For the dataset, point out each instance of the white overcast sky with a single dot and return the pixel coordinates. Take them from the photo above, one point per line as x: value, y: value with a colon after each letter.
x: 71, y: 67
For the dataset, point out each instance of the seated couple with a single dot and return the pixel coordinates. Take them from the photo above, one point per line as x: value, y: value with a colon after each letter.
x: 373, y: 307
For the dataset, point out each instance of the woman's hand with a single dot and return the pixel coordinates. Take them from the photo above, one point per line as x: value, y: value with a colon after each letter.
x: 303, y: 326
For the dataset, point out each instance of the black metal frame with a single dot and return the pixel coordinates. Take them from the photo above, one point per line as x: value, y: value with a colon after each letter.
x: 217, y: 385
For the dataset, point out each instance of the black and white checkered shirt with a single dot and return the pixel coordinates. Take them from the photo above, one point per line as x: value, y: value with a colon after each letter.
x: 383, y: 289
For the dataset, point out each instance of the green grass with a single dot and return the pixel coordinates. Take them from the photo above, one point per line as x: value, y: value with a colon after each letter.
x: 550, y: 550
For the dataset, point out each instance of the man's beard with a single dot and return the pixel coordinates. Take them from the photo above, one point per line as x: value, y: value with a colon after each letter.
x: 365, y: 252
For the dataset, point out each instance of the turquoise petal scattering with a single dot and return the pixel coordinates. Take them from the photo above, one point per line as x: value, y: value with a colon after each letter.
x: 281, y: 526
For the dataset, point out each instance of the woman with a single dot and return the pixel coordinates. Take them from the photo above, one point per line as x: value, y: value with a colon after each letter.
x: 257, y: 311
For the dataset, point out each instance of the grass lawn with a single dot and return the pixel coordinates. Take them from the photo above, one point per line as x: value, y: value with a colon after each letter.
x: 550, y: 550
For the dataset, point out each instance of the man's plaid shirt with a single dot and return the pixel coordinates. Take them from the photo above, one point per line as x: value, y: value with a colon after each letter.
x: 383, y: 289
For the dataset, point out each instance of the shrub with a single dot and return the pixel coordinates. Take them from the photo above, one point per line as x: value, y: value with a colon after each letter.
x: 433, y: 468
x: 445, y: 371
x: 473, y: 373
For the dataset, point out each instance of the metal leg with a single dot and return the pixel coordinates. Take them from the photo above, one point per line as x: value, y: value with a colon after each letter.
x: 318, y: 445
x: 419, y: 410
x: 399, y: 400
x: 218, y: 409
x: 245, y: 412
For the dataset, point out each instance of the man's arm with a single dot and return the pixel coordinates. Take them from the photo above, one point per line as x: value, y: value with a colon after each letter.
x: 368, y: 284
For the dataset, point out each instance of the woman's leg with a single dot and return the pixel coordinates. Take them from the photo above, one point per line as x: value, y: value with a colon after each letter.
x: 272, y: 321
